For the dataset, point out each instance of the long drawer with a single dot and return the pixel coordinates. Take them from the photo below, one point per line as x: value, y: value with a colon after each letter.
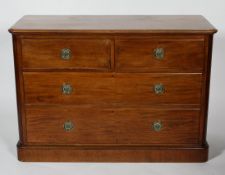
x: 108, y: 88
x: 81, y: 125
x: 75, y: 54
x: 159, y: 55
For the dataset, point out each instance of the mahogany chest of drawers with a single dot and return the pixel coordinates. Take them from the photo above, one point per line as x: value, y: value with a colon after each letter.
x: 112, y: 88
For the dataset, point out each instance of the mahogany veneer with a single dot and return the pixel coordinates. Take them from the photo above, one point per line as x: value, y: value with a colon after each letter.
x: 112, y: 88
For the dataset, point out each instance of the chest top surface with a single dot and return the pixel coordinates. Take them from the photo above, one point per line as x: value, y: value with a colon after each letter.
x: 114, y: 24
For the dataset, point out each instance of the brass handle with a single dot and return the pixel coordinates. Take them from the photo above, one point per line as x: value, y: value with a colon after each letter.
x: 68, y: 126
x: 67, y: 89
x: 159, y: 88
x: 157, y: 126
x: 158, y: 53
x: 66, y: 54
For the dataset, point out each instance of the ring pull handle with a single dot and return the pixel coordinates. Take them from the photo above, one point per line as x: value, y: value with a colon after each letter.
x: 68, y: 126
x: 159, y: 53
x: 159, y: 88
x: 157, y: 126
x: 67, y: 89
x: 66, y: 54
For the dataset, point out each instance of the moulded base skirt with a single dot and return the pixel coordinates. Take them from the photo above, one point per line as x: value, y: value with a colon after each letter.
x: 38, y: 153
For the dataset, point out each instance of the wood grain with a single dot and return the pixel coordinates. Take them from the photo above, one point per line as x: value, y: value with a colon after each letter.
x: 86, y: 53
x: 111, y: 154
x: 113, y: 104
x: 101, y: 88
x: 113, y: 24
x: 111, y: 126
x: 180, y: 55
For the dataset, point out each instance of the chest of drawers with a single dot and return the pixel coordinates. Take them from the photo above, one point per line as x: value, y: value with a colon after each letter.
x: 112, y: 88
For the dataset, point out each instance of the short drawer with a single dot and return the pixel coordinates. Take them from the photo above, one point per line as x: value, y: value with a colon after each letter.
x: 72, y: 125
x: 107, y: 88
x: 161, y: 55
x: 66, y: 54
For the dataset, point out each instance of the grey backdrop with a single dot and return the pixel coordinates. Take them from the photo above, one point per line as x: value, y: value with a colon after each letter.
x: 12, y: 10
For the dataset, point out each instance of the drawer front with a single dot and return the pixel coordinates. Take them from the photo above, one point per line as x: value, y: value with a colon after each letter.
x: 109, y: 89
x: 162, y: 55
x: 151, y: 89
x: 79, y: 88
x: 66, y: 53
x: 71, y: 125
